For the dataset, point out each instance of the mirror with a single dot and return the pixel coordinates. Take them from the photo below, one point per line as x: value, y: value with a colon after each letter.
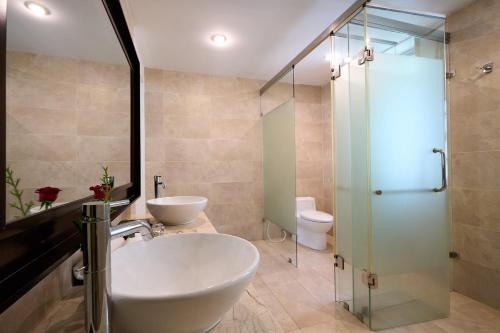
x: 68, y: 104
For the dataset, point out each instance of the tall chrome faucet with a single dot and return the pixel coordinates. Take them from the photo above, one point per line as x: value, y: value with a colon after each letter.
x: 97, y: 235
x: 159, y: 184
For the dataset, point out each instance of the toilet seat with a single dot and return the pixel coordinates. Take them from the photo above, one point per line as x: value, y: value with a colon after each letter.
x: 316, y: 216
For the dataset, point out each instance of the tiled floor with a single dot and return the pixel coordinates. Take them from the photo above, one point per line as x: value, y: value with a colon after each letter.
x: 301, y: 299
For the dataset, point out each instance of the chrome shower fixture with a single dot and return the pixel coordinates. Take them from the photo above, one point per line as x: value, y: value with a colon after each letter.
x: 487, y: 68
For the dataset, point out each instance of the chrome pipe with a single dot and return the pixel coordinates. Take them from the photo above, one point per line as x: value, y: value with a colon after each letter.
x: 97, y: 231
x: 131, y: 227
x: 158, y: 184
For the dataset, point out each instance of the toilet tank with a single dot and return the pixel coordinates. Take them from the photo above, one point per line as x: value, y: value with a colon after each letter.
x: 305, y: 203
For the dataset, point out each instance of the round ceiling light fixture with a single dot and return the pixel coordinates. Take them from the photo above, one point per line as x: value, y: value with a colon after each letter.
x: 218, y: 39
x: 36, y: 8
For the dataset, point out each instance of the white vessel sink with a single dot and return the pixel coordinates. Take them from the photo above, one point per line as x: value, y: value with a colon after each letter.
x: 176, y: 210
x: 181, y: 283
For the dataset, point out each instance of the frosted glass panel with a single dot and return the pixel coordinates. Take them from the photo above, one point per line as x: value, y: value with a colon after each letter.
x: 343, y: 193
x: 409, y: 220
x: 279, y: 166
x: 389, y: 116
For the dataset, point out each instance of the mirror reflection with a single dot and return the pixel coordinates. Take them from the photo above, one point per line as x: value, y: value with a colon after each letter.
x: 68, y: 105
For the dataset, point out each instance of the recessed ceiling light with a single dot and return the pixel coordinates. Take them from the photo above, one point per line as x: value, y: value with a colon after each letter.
x: 37, y: 8
x: 219, y: 39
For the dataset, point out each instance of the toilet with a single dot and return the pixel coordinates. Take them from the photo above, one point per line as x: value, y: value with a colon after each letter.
x: 312, y: 225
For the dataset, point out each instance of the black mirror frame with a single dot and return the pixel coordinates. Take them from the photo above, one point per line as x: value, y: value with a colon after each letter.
x: 32, y: 247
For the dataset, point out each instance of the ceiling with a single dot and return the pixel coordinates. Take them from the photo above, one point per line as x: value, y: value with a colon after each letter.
x: 263, y: 35
x: 74, y: 29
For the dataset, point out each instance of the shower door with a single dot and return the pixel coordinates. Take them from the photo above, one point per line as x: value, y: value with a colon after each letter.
x: 409, y: 226
x: 394, y: 208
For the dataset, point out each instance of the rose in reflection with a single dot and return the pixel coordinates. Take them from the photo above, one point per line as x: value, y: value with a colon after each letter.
x: 47, y: 195
x: 101, y: 192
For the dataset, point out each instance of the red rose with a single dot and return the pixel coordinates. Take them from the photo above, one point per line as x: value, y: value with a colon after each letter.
x: 47, y: 194
x: 99, y: 193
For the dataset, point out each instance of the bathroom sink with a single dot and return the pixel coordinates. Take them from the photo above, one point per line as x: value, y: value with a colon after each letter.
x: 176, y: 210
x: 182, y: 283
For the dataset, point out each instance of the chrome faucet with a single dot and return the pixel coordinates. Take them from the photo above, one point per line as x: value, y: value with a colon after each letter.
x: 158, y: 185
x: 97, y: 234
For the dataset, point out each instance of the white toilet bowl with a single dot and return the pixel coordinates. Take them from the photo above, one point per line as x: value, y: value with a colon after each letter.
x: 312, y: 225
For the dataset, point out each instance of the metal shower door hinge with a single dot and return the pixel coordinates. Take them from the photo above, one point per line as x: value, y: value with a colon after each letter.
x: 367, y: 54
x: 447, y: 37
x: 339, y: 262
x: 450, y: 75
x: 345, y: 305
x: 336, y: 72
x: 370, y: 279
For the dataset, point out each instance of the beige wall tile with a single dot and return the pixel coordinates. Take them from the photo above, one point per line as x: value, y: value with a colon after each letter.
x: 232, y: 171
x: 228, y: 193
x: 477, y: 207
x: 186, y: 128
x: 155, y: 149
x: 153, y: 101
x: 110, y: 124
x: 103, y: 99
x: 235, y: 150
x: 477, y: 282
x: 234, y: 129
x: 25, y: 120
x: 187, y: 150
x: 477, y: 169
x: 239, y: 106
x: 41, y: 67
x: 108, y: 75
x: 307, y: 94
x: 187, y: 105
x: 153, y: 79
x: 101, y: 148
x: 41, y: 147
x: 309, y: 170
x: 475, y: 142
x: 27, y: 92
x: 154, y: 123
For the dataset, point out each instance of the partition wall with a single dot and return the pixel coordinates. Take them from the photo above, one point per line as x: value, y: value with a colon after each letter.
x: 389, y: 122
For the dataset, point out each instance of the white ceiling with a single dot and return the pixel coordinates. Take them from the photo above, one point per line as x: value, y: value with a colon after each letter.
x: 264, y: 35
x: 78, y: 29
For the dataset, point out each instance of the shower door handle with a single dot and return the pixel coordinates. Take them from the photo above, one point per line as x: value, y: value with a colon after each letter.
x: 444, y: 183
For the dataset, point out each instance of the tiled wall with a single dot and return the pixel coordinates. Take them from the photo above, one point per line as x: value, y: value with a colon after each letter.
x: 204, y: 136
x: 328, y: 185
x: 313, y: 144
x: 66, y: 118
x: 475, y: 150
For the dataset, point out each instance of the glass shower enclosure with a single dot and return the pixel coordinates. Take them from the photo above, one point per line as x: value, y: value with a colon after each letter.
x: 388, y: 72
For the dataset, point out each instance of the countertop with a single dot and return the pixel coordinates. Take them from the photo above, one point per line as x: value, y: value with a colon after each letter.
x: 68, y: 315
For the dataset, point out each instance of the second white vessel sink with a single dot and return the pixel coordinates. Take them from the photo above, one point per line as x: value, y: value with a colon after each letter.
x: 176, y: 210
